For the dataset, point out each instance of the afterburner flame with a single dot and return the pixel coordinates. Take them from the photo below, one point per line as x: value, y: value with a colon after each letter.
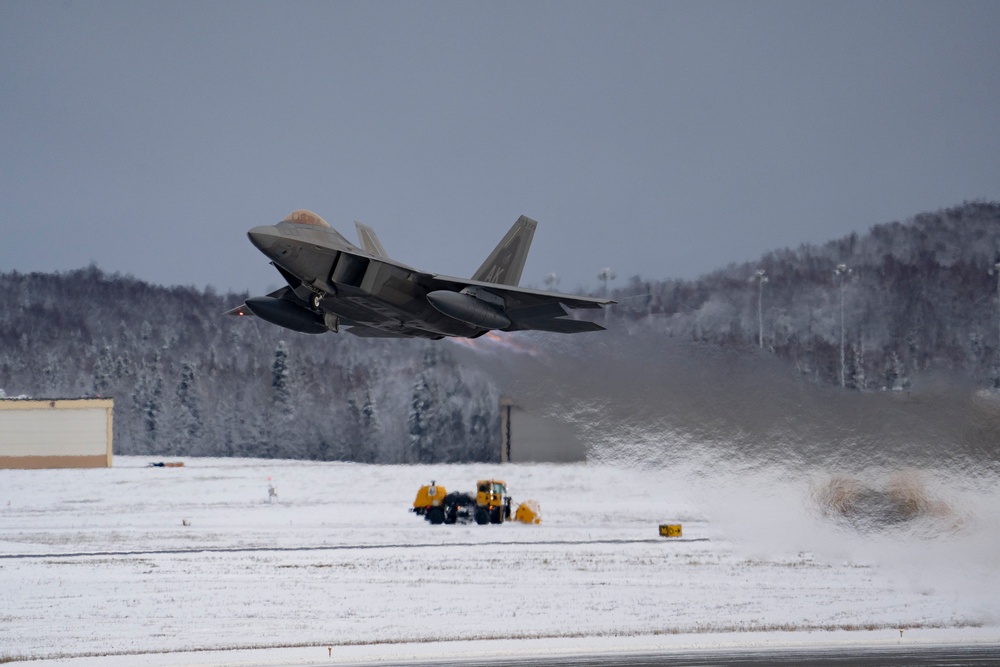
x: 498, y: 341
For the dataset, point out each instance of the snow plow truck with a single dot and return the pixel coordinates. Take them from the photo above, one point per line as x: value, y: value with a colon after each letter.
x: 490, y: 504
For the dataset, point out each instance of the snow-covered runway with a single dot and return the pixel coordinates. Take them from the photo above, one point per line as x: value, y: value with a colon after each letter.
x: 137, y: 560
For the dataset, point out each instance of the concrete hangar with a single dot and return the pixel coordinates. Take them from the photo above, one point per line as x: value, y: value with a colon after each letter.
x: 56, y: 433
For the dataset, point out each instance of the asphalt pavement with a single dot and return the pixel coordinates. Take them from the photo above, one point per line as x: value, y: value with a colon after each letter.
x: 840, y: 656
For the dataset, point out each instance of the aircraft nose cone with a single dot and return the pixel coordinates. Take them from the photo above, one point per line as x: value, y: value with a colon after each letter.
x: 263, y: 237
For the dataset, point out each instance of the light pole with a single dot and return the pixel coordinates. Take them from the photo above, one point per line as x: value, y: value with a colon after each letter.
x: 842, y: 272
x: 996, y: 270
x: 996, y: 371
x: 760, y: 278
x: 606, y: 275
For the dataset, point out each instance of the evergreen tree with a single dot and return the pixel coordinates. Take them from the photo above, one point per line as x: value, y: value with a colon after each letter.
x: 148, y: 403
x: 281, y: 439
x: 104, y: 370
x: 188, y: 421
x: 371, y: 431
x: 281, y: 380
x: 420, y: 422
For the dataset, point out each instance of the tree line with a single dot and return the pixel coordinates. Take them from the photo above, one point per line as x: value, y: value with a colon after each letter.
x: 918, y: 296
x: 189, y: 381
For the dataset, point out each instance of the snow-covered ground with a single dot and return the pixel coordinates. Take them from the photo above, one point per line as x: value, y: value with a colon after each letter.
x: 140, y: 560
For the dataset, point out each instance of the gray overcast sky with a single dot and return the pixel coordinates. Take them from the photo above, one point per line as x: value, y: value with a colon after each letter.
x: 664, y: 139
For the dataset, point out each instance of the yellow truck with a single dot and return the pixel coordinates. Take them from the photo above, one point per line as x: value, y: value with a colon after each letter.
x: 491, y: 504
x: 428, y: 497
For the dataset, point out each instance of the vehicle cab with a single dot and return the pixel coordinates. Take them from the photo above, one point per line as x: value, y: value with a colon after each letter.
x: 492, y: 501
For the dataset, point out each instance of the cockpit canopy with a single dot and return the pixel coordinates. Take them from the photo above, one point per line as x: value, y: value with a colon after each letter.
x: 305, y: 217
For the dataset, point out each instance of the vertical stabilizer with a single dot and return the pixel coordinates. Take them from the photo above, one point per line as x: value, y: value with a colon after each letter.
x: 369, y: 241
x: 505, y: 263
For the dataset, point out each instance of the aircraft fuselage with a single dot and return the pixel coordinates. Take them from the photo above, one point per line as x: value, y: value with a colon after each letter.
x: 356, y: 287
x: 333, y: 283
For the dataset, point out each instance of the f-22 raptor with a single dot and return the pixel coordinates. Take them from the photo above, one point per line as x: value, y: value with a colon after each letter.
x: 333, y: 284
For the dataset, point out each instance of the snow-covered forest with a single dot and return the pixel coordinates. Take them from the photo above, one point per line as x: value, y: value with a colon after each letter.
x: 919, y: 295
x: 913, y: 297
x: 189, y: 381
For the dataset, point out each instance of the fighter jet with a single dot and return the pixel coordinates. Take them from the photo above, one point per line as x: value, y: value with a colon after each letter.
x: 333, y: 284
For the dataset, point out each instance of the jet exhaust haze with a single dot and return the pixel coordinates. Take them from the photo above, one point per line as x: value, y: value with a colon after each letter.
x: 765, y: 452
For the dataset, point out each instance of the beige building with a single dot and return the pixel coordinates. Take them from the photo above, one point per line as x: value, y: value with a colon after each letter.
x: 59, y: 433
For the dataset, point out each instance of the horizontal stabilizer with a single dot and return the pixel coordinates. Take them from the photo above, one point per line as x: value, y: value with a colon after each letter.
x: 539, y: 311
x: 560, y: 325
x: 549, y: 316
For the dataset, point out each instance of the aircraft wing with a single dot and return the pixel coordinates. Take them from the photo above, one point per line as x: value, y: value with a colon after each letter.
x: 531, y: 309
